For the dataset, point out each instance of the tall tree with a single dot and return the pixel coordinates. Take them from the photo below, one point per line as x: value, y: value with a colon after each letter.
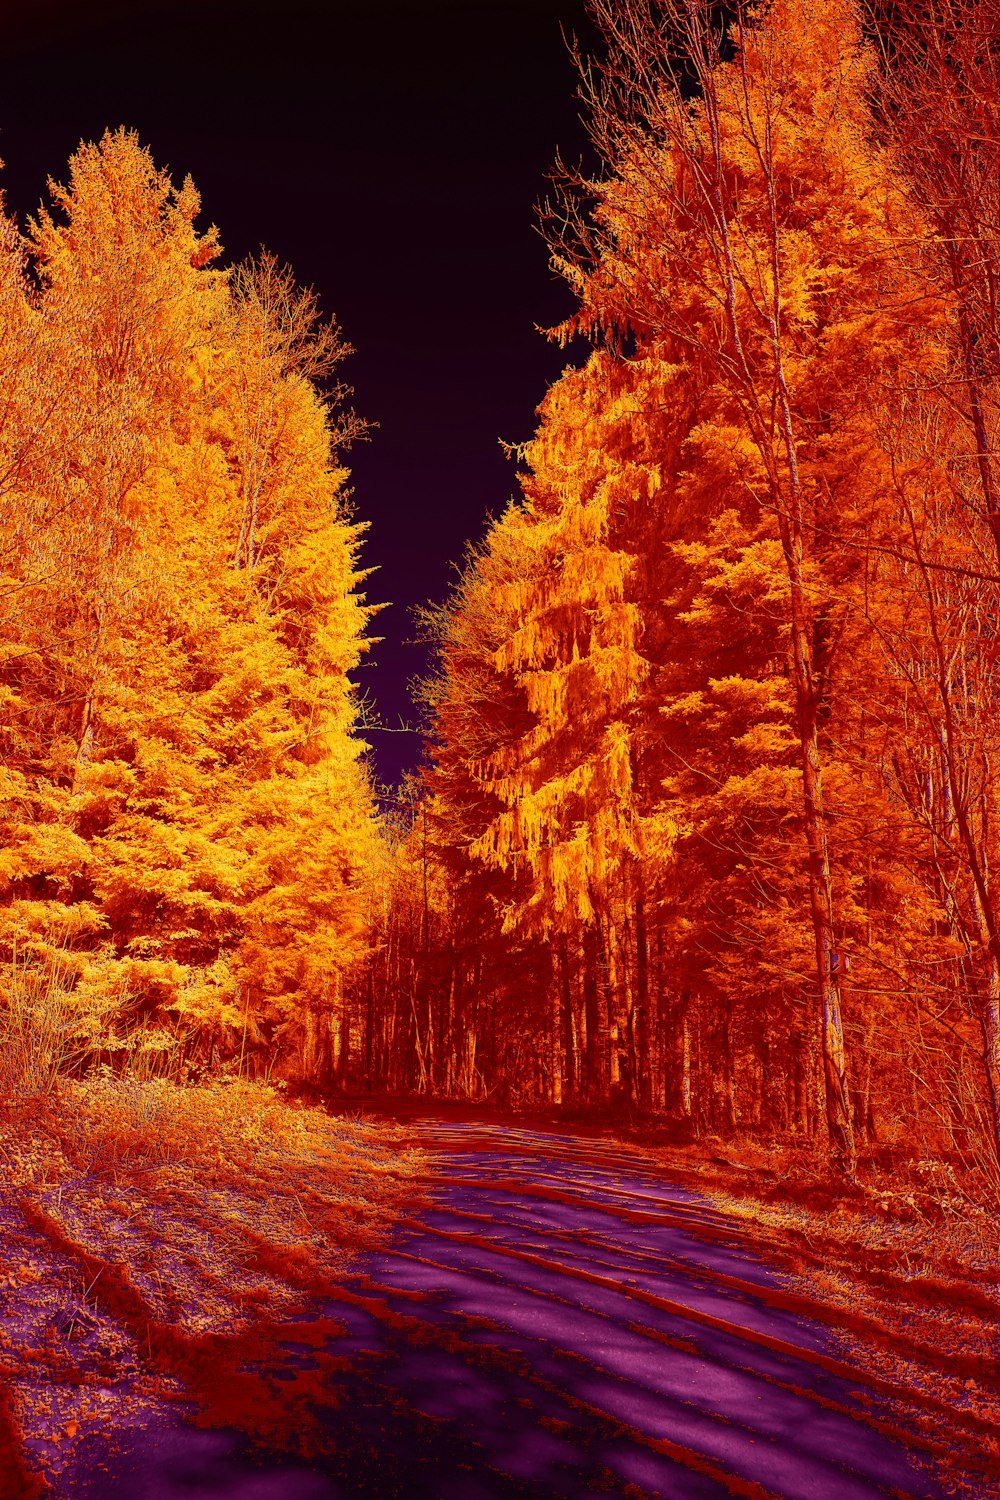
x: 744, y: 217
x: 194, y: 819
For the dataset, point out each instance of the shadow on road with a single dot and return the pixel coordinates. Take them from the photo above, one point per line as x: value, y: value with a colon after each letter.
x: 559, y: 1323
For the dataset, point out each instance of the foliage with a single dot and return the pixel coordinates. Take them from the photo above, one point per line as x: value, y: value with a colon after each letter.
x: 708, y: 823
x: 714, y: 707
x: 186, y: 819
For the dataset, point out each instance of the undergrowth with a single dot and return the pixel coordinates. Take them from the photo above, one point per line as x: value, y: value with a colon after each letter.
x: 221, y: 1200
x: 158, y: 1235
x: 219, y: 1197
x: 909, y: 1255
x: 43, y: 1033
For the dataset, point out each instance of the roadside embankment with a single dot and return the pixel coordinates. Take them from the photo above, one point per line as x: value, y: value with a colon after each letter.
x: 154, y: 1239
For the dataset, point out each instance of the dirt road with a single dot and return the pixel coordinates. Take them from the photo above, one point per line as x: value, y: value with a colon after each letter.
x: 559, y: 1322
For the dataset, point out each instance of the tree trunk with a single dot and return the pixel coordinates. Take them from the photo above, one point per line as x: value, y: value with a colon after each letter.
x: 685, y: 1069
x: 989, y: 1017
x: 595, y: 1014
x: 566, y: 1018
x: 343, y: 1016
x: 369, y: 1025
x: 728, y: 1080
x: 642, y: 1030
x: 838, y: 1113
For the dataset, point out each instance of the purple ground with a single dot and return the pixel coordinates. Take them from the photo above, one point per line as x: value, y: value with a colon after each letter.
x: 561, y: 1323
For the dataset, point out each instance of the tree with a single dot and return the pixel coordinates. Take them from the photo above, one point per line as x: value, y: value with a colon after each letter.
x: 743, y: 217
x: 937, y: 108
x: 194, y: 820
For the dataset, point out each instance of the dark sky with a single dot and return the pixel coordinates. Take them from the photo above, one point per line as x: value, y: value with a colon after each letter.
x: 391, y: 151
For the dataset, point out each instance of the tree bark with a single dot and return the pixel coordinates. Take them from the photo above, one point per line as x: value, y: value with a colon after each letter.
x: 643, y: 1078
x: 838, y: 1113
x: 595, y: 1014
x: 566, y: 1018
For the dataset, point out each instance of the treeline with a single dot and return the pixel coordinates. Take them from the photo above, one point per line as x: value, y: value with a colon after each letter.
x: 710, y: 820
x: 708, y: 826
x: 185, y: 825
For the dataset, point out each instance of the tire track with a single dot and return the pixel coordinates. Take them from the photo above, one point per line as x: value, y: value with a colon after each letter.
x: 563, y: 1220
x: 558, y: 1324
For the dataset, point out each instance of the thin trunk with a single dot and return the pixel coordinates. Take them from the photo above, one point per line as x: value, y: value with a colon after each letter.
x: 685, y: 1068
x: 643, y: 1075
x: 838, y: 1114
x: 566, y: 1017
x: 369, y: 1025
x: 989, y: 1020
x: 595, y: 1015
x: 449, y: 1048
x: 728, y: 1076
x: 343, y: 1063
x: 615, y: 1009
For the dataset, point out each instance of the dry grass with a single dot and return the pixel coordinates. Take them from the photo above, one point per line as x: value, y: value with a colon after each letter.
x: 197, y: 1187
x: 222, y: 1199
x: 158, y: 1234
x: 905, y: 1265
x: 43, y: 1034
x: 158, y: 1240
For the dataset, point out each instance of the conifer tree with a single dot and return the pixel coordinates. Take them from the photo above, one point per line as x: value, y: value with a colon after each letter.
x: 745, y: 224
x: 194, y: 820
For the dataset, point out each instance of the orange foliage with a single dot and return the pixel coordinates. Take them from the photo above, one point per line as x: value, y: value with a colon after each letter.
x: 714, y: 705
x: 184, y: 808
x: 709, y: 820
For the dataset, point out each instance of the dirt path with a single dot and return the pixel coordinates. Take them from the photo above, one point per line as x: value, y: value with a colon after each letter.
x: 558, y: 1323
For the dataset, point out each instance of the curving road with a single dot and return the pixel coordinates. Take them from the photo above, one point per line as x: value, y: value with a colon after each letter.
x: 559, y: 1323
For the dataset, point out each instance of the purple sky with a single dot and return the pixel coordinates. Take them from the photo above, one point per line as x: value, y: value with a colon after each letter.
x: 392, y: 151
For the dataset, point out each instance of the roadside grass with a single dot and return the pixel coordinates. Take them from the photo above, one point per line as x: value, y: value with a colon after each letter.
x: 219, y: 1198
x: 904, y: 1265
x: 156, y: 1234
x: 191, y: 1185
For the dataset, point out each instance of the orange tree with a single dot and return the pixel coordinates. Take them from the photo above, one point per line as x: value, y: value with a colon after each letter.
x: 194, y: 821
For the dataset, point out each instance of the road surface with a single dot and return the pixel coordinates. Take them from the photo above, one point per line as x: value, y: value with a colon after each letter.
x: 559, y: 1322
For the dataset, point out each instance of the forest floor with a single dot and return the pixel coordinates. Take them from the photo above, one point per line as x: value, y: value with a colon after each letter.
x: 153, y: 1240
x: 902, y: 1264
x: 273, y: 1302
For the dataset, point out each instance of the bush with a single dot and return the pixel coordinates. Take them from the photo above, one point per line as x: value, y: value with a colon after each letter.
x: 41, y: 1038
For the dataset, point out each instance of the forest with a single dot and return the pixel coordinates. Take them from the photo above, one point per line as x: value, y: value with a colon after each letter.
x: 707, y: 827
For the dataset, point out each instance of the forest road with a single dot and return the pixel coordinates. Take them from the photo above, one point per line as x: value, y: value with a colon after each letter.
x: 558, y: 1322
